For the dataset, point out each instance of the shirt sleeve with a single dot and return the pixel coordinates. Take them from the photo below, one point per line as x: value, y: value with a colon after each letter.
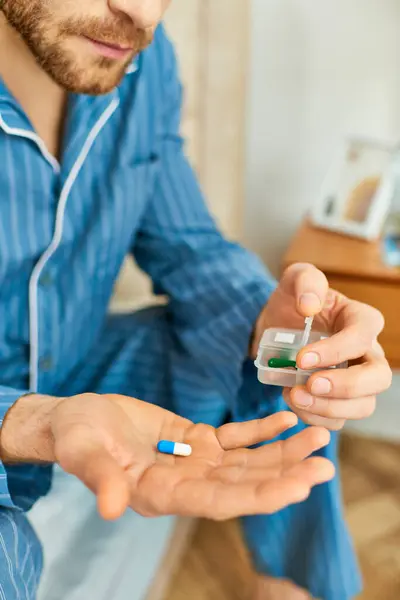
x: 20, y: 485
x: 216, y: 288
x: 21, y: 557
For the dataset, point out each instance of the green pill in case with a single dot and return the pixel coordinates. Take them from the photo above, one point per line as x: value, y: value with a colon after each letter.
x: 282, y: 363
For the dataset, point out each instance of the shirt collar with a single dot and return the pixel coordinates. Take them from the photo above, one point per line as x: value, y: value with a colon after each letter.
x: 5, y: 97
x: 133, y: 67
x: 10, y: 110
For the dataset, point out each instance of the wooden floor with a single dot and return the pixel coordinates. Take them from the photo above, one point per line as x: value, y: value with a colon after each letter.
x: 216, y: 567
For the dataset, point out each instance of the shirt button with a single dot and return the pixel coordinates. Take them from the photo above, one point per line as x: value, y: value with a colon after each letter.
x: 46, y: 280
x: 45, y: 363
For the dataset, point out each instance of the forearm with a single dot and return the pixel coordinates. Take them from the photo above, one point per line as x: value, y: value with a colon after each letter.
x: 25, y: 436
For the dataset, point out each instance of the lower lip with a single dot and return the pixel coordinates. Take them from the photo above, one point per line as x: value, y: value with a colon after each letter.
x: 110, y: 51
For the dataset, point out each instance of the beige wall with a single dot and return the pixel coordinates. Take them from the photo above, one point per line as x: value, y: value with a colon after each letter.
x: 320, y: 71
x: 213, y: 58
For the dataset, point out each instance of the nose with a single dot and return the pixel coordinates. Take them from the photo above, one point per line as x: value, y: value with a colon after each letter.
x: 144, y: 13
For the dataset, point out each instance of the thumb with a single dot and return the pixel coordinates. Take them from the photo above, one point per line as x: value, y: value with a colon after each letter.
x: 100, y: 472
x: 308, y: 286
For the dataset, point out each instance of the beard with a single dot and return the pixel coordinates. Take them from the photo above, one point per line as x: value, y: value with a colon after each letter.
x: 47, y: 41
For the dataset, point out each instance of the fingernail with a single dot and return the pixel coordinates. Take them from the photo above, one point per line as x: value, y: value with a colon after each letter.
x: 321, y: 387
x: 302, y: 399
x: 310, y: 302
x: 309, y: 360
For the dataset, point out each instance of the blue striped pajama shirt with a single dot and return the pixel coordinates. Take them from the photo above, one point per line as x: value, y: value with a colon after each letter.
x: 123, y: 186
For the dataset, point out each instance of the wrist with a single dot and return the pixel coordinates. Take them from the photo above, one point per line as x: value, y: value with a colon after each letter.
x: 26, y: 433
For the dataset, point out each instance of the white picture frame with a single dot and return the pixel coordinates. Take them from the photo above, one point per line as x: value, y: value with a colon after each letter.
x: 356, y: 195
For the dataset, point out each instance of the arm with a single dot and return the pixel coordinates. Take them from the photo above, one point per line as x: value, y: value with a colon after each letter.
x: 216, y: 288
x: 108, y: 442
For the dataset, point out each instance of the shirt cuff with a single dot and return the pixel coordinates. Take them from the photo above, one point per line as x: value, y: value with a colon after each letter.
x: 8, y: 397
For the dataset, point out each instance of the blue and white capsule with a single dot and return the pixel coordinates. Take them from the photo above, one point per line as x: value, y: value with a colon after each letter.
x: 174, y: 448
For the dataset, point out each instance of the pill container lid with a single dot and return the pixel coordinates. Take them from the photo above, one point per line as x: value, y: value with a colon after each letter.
x: 286, y: 338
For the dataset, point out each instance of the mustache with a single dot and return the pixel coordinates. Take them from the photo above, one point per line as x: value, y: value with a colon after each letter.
x: 121, y: 33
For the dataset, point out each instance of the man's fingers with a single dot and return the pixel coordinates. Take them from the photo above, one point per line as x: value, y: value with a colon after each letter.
x: 243, y: 474
x: 217, y: 500
x: 113, y: 487
x: 273, y: 460
x: 270, y: 496
x: 280, y: 454
x: 220, y: 501
x: 103, y: 476
x: 366, y: 379
x: 302, y: 445
x: 360, y: 326
x: 368, y: 319
x: 312, y: 419
x: 315, y: 470
x: 348, y: 344
x: 359, y: 408
x: 241, y: 435
x: 308, y: 286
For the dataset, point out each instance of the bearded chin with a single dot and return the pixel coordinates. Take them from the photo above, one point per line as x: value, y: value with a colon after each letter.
x: 102, y: 76
x: 98, y: 78
x: 48, y: 43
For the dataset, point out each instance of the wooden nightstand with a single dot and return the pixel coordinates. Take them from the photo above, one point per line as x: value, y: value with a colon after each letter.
x: 355, y: 268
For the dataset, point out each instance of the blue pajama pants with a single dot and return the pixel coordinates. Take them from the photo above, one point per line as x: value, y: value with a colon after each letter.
x: 308, y: 542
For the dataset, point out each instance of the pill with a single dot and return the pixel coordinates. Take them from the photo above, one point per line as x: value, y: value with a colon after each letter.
x: 281, y: 363
x: 175, y: 448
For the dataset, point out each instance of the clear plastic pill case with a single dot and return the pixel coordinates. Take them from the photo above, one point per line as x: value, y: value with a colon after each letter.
x: 276, y: 359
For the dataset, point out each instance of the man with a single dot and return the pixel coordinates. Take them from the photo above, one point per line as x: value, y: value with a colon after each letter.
x: 93, y: 168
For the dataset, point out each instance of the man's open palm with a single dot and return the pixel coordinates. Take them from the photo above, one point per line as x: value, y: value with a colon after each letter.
x: 110, y: 441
